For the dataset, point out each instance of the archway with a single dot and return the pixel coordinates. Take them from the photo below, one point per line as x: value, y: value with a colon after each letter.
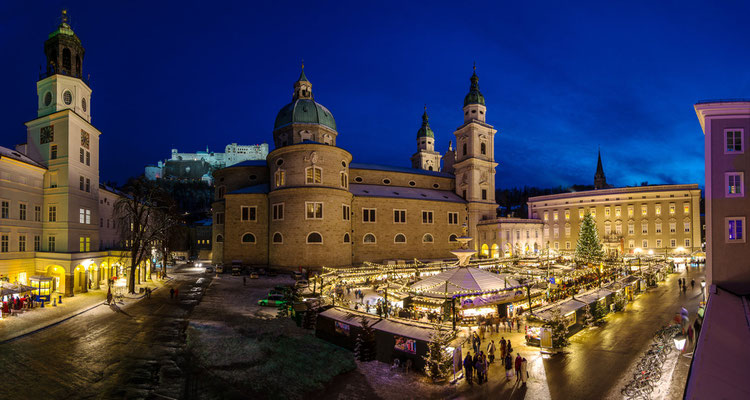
x: 485, y: 250
x: 495, y: 251
x: 93, y: 276
x: 104, y: 273
x: 57, y: 273
x: 536, y: 248
x: 80, y: 278
x: 508, y: 250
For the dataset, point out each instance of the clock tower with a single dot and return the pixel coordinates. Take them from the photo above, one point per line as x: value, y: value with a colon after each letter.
x: 62, y: 139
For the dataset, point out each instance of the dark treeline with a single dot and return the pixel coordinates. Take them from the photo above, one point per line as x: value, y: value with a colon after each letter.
x: 512, y: 202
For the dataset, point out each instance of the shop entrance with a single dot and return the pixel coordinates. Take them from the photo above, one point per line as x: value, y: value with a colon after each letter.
x: 58, y: 278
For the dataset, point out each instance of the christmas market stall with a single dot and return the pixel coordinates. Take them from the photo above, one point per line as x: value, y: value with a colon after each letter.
x: 341, y: 327
x: 403, y: 341
x: 571, y: 310
x: 469, y: 292
x: 601, y: 296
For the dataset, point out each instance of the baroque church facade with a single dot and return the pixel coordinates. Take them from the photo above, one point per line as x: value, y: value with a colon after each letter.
x: 56, y: 219
x: 310, y: 205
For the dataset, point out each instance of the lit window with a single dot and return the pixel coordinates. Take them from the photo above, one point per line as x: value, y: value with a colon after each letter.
x: 313, y: 175
x: 686, y: 208
x: 644, y: 210
x: 733, y: 141
x: 592, y: 211
x: 734, y: 186
x: 618, y: 211
x: 580, y: 213
x: 672, y: 208
x: 314, y: 210
x: 657, y: 209
x: 554, y: 215
x: 567, y: 215
x: 280, y: 178
x: 606, y: 212
x: 546, y: 216
x: 630, y: 211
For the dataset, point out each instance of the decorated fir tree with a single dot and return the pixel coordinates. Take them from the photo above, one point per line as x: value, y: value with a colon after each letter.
x: 598, y: 310
x: 588, y: 248
x: 619, y: 303
x: 438, y: 362
x: 364, y: 347
x: 588, y: 315
x: 559, y: 328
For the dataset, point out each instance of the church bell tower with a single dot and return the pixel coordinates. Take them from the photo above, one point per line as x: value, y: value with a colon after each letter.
x: 426, y: 157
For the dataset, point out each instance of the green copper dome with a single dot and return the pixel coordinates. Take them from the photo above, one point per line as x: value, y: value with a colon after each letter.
x: 474, y: 96
x: 425, y: 130
x: 304, y: 111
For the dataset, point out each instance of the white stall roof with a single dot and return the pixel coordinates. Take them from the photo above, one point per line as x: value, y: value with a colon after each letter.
x: 592, y: 296
x: 418, y: 332
x: 462, y: 280
x: 346, y: 316
x: 565, y: 307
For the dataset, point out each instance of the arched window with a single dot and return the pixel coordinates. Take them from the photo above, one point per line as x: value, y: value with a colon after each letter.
x: 66, y: 60
x: 347, y: 239
x: 313, y: 174
x: 483, y: 148
x: 219, y: 239
x: 453, y: 238
x: 400, y: 238
x: 369, y: 238
x: 344, y: 180
x: 430, y: 168
x: 277, y: 238
x: 427, y: 238
x: 314, y: 238
x: 248, y: 238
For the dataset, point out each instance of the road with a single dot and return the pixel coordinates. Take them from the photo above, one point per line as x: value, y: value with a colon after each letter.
x: 103, y: 353
x: 598, y: 359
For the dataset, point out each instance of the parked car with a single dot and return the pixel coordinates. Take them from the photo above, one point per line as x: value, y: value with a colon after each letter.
x: 209, y: 269
x: 272, y: 300
x: 253, y: 275
x: 236, y: 270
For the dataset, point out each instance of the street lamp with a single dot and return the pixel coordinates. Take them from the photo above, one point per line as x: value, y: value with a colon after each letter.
x: 703, y: 290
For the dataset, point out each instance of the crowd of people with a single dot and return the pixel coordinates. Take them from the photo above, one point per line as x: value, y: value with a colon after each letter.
x: 17, y: 303
x: 476, y: 367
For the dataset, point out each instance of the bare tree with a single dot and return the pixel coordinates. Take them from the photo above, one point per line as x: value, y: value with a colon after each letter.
x: 169, y: 232
x: 138, y: 216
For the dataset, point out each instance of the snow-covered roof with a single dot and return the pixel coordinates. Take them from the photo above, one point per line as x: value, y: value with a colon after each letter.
x: 722, y: 357
x: 412, y: 331
x: 6, y: 152
x: 565, y: 307
x: 593, y: 295
x: 254, y: 189
x: 462, y: 280
x: 400, y: 192
x: 348, y: 317
x: 388, y: 168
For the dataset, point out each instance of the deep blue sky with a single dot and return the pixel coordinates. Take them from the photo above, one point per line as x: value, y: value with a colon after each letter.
x: 559, y: 81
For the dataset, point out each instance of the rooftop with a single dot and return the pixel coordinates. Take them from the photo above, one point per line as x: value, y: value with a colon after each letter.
x: 12, y: 154
x: 378, y: 167
x: 710, y: 101
x: 401, y: 192
x: 616, y: 191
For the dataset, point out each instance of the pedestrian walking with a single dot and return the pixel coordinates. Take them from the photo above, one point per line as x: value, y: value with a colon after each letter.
x: 507, y: 322
x: 479, y: 367
x: 491, y: 351
x: 171, y: 293
x: 468, y: 368
x: 510, y: 349
x: 502, y: 348
x: 508, y: 366
x: 524, y: 371
x: 109, y: 295
x: 518, y: 367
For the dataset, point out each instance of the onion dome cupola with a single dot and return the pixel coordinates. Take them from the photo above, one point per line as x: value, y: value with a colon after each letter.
x: 474, y: 106
x: 304, y: 119
x: 425, y: 130
x: 64, y: 50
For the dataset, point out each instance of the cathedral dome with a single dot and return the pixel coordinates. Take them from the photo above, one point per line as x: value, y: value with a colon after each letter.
x: 474, y: 96
x: 304, y: 111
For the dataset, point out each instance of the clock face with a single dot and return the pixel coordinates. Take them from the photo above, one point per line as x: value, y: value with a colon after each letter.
x: 47, y: 99
x: 67, y: 97
x: 85, y: 140
x: 47, y: 134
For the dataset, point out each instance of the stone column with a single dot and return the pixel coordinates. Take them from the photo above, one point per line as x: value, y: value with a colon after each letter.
x: 68, y: 290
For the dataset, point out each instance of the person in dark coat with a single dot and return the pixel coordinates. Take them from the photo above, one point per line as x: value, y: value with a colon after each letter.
x: 518, y: 367
x: 508, y: 366
x: 468, y: 367
x: 171, y: 293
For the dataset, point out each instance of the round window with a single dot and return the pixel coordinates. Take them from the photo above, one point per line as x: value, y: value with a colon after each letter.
x: 279, y: 161
x: 436, y: 186
x: 68, y: 97
x: 253, y: 177
x: 387, y: 181
x: 358, y: 179
x: 412, y: 183
x: 343, y: 164
x: 83, y: 104
x: 47, y: 99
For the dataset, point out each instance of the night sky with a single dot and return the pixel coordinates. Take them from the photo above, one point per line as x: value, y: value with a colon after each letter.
x: 559, y: 81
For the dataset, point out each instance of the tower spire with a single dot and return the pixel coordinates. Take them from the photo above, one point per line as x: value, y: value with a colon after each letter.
x: 302, y: 87
x: 600, y: 181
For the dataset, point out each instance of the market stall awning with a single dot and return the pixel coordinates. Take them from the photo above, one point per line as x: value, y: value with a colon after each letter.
x: 463, y: 280
x: 347, y: 317
x: 565, y: 307
x: 592, y: 296
x: 413, y: 331
x: 7, y: 289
